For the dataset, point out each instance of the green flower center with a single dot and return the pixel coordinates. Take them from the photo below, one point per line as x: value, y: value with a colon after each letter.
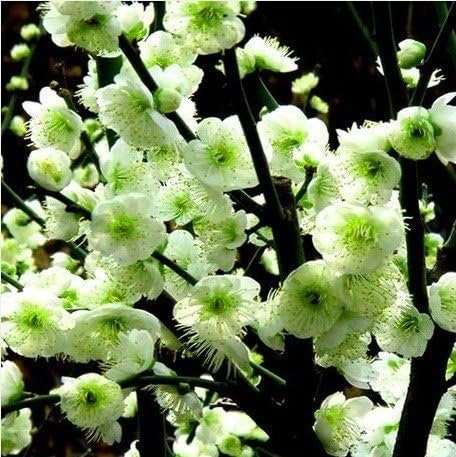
x: 409, y: 323
x: 57, y: 125
x: 312, y: 297
x: 111, y: 327
x: 122, y: 227
x: 218, y: 304
x: 51, y: 170
x: 371, y: 169
x: 230, y: 231
x: 222, y: 155
x: 32, y: 317
x: 418, y: 129
x: 206, y: 15
x: 447, y: 298
x: 359, y: 233
x: 287, y: 143
x: 182, y: 204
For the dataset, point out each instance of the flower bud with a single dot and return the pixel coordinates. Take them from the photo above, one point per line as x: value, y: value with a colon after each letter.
x: 17, y: 83
x: 319, y: 105
x: 231, y: 445
x: 49, y: 168
x: 11, y: 382
x: 30, y: 32
x: 412, y: 135
x: 167, y: 100
x: 134, y: 20
x: 93, y: 128
x: 248, y: 6
x: 304, y: 84
x: 86, y: 176
x: 20, y: 52
x: 18, y: 126
x: 411, y: 53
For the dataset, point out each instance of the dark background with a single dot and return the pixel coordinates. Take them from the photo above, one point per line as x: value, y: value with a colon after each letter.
x: 321, y: 34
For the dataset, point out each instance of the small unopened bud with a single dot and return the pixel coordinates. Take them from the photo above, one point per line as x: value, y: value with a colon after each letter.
x: 167, y: 100
x: 93, y: 128
x: 231, y: 445
x: 20, y: 52
x: 304, y: 84
x: 248, y: 6
x: 411, y: 53
x: 319, y: 105
x: 18, y: 126
x: 30, y: 32
x: 49, y: 168
x: 17, y: 83
x: 86, y: 176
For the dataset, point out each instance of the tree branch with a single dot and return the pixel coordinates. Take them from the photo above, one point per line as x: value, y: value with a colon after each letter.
x: 427, y: 378
x: 290, y: 435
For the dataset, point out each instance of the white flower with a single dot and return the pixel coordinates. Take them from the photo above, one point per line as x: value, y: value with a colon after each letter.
x: 34, y: 322
x: 218, y: 306
x: 366, y: 177
x: 209, y: 26
x: 392, y: 376
x: 122, y: 228
x: 215, y: 315
x: 442, y: 301
x: 220, y: 157
x: 270, y: 55
x: 12, y: 386
x: 369, y: 293
x: 22, y: 228
x: 354, y: 239
x: 125, y: 171
x: 412, y: 134
x: 53, y: 125
x: 404, y: 330
x: 183, y: 405
x: 60, y: 224
x: 16, y: 432
x: 372, y: 136
x: 132, y: 355
x: 128, y: 108
x: 86, y: 92
x: 411, y: 53
x: 163, y: 49
x: 96, y: 332
x: 338, y: 425
x: 135, y: 19
x: 194, y: 448
x: 438, y: 447
x: 94, y: 404
x: 443, y: 118
x: 49, y: 168
x: 308, y: 305
x: 380, y: 429
x: 187, y: 252
x: 222, y: 238
x: 292, y: 141
x: 90, y: 25
x: 323, y: 190
x: 184, y: 80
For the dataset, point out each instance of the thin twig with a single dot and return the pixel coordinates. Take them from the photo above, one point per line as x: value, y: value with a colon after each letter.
x: 7, y: 278
x: 175, y: 267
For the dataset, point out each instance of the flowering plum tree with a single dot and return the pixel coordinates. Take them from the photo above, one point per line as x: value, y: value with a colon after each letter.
x: 152, y: 296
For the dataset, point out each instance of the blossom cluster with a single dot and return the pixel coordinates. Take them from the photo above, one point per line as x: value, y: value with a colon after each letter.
x: 157, y: 211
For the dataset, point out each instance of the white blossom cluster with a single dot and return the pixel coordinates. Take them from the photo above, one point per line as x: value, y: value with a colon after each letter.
x: 158, y: 212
